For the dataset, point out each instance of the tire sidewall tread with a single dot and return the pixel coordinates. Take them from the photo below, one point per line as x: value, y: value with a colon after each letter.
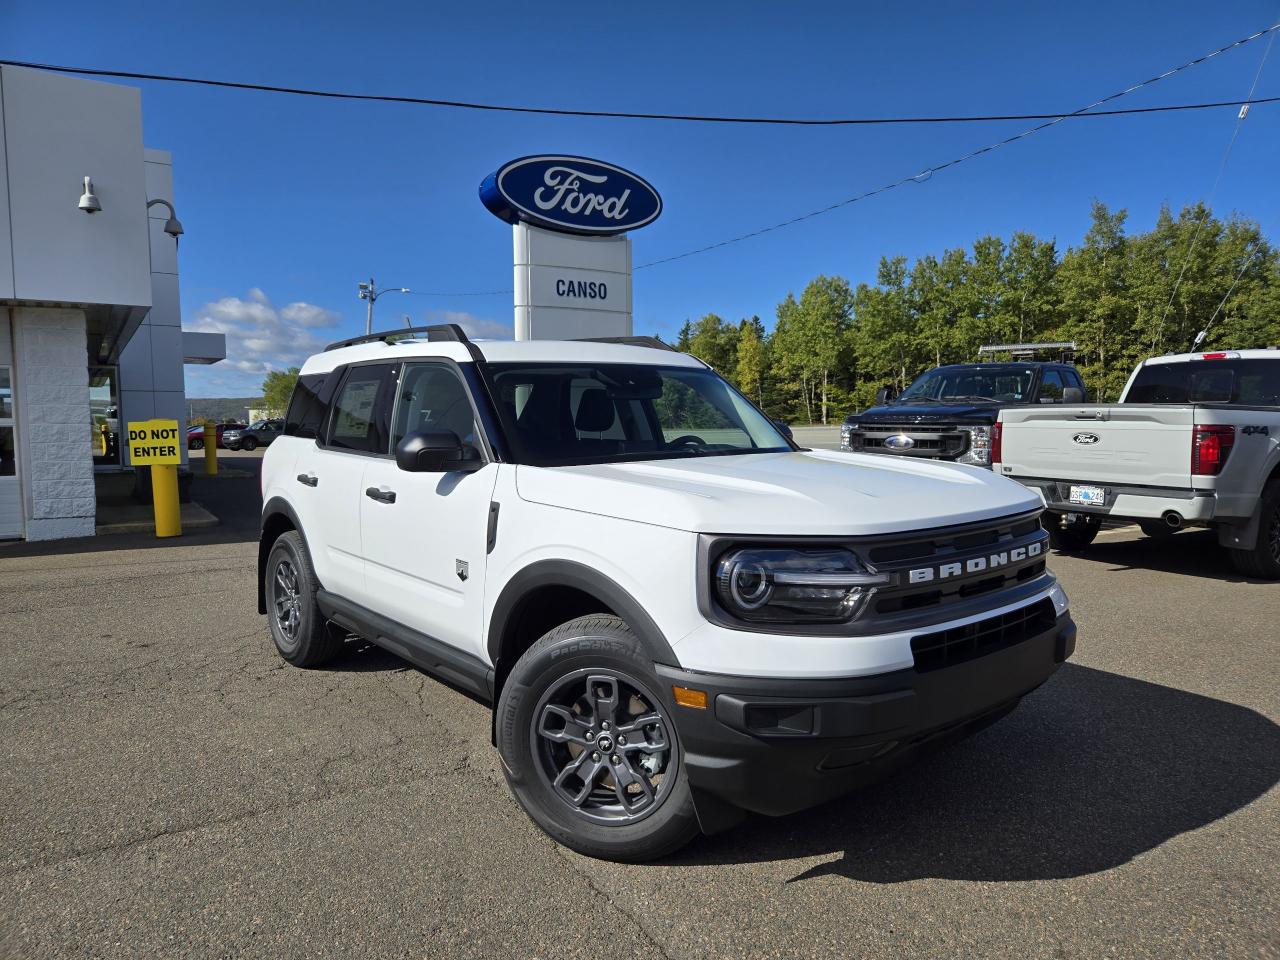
x: 592, y: 641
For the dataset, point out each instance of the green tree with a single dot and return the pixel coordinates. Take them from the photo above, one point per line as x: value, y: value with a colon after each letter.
x: 277, y: 389
x: 715, y: 342
x: 749, y: 375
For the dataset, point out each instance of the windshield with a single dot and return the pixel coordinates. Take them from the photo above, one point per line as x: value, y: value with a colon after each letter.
x: 986, y: 383
x: 555, y: 414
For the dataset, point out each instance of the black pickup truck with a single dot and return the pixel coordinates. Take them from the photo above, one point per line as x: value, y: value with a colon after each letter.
x: 947, y: 413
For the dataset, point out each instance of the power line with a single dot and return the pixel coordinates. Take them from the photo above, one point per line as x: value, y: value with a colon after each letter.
x: 1195, y: 236
x: 623, y: 115
x: 472, y: 293
x: 930, y: 171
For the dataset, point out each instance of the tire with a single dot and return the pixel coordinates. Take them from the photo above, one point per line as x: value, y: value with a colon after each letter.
x: 1156, y: 529
x: 249, y: 444
x: 301, y: 634
x: 1068, y: 537
x: 1263, y: 561
x: 556, y: 707
x: 197, y: 444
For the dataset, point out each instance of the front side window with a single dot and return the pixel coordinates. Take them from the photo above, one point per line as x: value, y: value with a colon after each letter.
x: 361, y: 410
x: 598, y: 413
x: 432, y: 399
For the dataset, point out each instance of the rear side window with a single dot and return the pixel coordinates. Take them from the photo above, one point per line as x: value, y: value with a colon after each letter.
x: 1051, y: 387
x: 309, y: 406
x: 1253, y: 383
x: 362, y: 409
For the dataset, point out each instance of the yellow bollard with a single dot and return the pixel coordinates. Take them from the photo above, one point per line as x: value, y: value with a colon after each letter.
x: 210, y: 449
x: 164, y: 496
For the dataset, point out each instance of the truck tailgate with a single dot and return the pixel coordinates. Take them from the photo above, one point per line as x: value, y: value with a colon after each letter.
x: 1138, y: 444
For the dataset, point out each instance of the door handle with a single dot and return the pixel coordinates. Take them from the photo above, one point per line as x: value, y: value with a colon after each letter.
x: 382, y: 496
x: 309, y: 479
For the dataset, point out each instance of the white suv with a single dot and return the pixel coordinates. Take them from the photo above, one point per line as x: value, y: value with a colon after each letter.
x: 678, y: 614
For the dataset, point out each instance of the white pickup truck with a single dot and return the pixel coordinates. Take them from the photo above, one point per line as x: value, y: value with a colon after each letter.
x: 1193, y: 441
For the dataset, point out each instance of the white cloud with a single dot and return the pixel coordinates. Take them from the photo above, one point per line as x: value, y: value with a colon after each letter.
x: 260, y: 338
x: 475, y: 327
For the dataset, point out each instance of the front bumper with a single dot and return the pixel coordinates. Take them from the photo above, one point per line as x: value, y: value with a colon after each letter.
x: 779, y: 746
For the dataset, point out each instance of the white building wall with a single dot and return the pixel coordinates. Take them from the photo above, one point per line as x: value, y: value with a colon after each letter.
x: 59, y: 130
x: 52, y: 394
x: 152, y: 382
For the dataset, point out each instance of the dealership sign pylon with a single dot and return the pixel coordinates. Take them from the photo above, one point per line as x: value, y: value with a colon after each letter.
x: 572, y: 257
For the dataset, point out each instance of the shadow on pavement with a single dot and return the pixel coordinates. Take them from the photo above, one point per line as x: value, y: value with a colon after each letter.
x: 1192, y: 553
x: 1091, y: 771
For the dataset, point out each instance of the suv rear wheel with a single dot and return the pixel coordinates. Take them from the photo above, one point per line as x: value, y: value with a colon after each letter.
x: 1076, y: 533
x: 1263, y: 561
x: 301, y: 634
x: 588, y: 747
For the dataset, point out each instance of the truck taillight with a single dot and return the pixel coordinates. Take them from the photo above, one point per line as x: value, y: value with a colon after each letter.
x: 1210, y: 445
x: 995, y: 444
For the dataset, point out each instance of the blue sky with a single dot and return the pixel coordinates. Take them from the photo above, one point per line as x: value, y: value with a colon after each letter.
x: 288, y: 202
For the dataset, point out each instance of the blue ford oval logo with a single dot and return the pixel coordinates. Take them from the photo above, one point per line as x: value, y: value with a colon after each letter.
x: 899, y: 442
x: 570, y: 194
x: 1086, y: 439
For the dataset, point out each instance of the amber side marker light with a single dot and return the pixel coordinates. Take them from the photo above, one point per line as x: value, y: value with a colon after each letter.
x: 697, y: 699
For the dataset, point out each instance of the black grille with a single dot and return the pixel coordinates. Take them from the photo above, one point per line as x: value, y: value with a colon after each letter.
x: 928, y: 439
x: 933, y: 651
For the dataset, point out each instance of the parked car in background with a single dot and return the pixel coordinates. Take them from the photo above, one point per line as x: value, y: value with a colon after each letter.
x: 947, y: 413
x: 259, y: 434
x: 195, y: 435
x: 1193, y: 442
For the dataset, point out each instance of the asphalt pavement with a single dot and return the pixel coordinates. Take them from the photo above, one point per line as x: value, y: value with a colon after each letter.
x: 171, y: 788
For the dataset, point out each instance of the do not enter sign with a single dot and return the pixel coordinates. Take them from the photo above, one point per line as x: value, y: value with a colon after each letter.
x: 154, y: 443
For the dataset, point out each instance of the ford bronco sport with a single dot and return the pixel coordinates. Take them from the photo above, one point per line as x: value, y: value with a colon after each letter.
x: 677, y: 613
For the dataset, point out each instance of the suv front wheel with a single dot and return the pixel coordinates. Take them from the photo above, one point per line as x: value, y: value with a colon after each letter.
x: 588, y: 747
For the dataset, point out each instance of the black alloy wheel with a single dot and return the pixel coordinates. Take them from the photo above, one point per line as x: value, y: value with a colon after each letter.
x: 589, y: 749
x: 603, y: 746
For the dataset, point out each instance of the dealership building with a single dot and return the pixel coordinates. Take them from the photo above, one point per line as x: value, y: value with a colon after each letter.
x: 90, y: 326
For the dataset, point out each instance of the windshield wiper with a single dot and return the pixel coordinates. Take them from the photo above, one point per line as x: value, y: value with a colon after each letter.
x: 975, y: 397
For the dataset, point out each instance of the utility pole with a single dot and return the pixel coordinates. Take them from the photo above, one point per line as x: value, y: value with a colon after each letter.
x: 370, y: 293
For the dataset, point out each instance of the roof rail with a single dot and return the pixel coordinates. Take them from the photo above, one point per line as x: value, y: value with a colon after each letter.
x: 436, y: 333
x: 652, y: 342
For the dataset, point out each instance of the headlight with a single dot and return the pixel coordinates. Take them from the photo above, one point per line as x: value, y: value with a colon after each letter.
x: 767, y: 585
x: 979, y: 451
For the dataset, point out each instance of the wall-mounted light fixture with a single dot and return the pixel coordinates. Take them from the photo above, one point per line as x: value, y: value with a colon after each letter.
x: 88, y: 202
x: 171, y: 226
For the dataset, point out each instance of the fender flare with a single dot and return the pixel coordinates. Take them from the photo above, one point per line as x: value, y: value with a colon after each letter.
x: 276, y: 506
x: 568, y: 573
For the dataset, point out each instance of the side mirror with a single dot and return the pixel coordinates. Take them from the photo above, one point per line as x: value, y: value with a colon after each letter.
x: 786, y: 430
x: 885, y: 394
x: 435, y: 451
x: 1072, y: 395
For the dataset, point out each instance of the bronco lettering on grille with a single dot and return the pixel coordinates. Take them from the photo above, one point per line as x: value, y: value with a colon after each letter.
x: 992, y: 561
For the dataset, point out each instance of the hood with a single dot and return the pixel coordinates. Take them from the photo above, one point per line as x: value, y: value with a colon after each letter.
x: 930, y: 413
x: 808, y: 493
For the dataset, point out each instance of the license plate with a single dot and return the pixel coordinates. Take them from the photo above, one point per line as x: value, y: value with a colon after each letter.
x: 1088, y: 495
